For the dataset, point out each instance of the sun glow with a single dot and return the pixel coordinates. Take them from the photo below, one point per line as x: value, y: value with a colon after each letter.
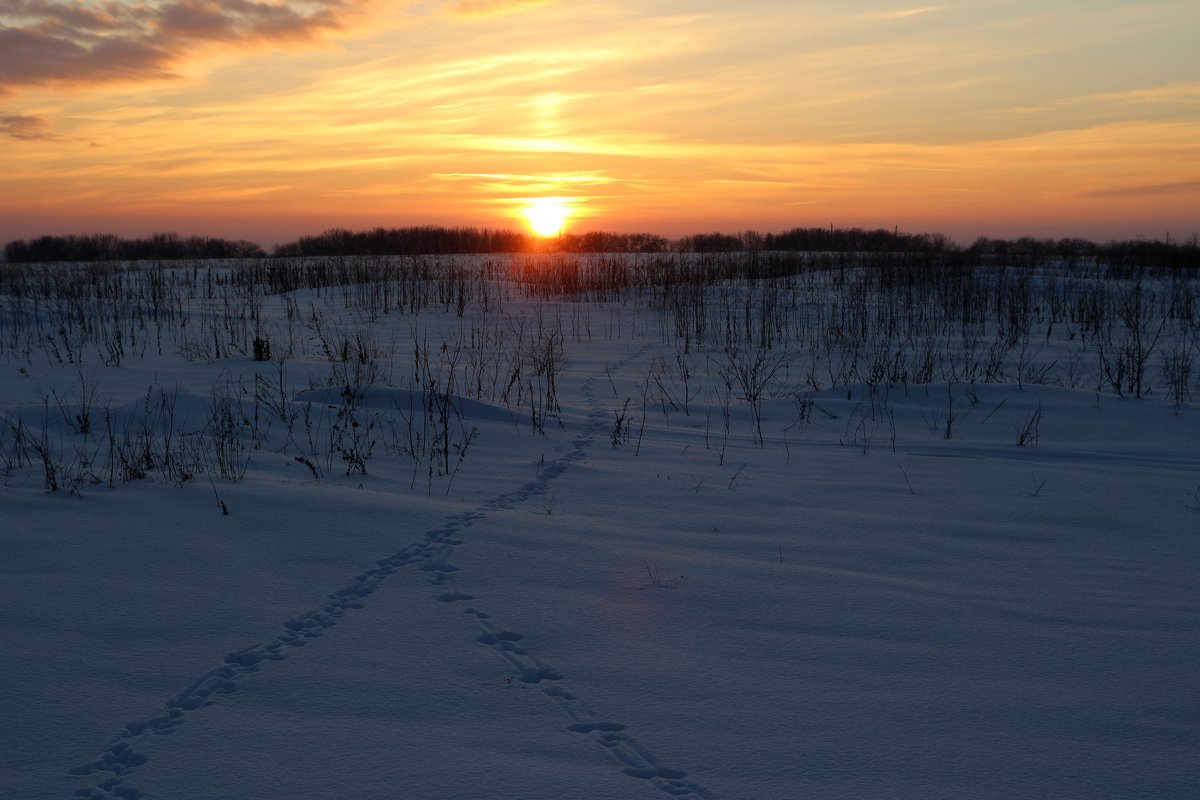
x: 547, y: 215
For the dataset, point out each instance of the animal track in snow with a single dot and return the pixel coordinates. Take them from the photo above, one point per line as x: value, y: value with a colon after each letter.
x: 529, y: 668
x: 588, y: 727
x: 119, y: 758
x: 634, y: 759
x: 499, y: 639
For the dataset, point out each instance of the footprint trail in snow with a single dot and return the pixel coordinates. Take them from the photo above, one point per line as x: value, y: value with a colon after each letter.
x: 113, y: 767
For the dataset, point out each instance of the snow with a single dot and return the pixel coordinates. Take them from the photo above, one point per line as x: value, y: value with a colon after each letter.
x: 832, y: 614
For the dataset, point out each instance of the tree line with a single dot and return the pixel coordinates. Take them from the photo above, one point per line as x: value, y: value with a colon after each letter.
x: 412, y: 241
x: 436, y: 240
x: 433, y: 240
x: 109, y: 247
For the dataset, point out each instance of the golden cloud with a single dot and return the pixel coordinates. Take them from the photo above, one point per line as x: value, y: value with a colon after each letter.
x: 493, y: 8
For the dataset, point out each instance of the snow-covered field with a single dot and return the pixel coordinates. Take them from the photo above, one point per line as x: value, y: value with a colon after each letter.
x: 550, y: 548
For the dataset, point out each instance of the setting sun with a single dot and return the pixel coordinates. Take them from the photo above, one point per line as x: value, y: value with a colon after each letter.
x: 547, y: 215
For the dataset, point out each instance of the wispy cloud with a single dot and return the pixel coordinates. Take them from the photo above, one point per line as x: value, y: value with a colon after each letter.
x: 1172, y: 93
x: 62, y: 43
x: 20, y: 126
x: 493, y: 8
x: 910, y: 12
x: 1149, y: 190
x: 1175, y: 95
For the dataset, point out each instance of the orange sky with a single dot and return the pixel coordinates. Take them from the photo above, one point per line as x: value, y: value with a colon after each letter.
x: 268, y: 119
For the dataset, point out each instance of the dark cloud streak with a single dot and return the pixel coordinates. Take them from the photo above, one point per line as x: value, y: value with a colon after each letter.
x: 29, y: 57
x: 70, y: 44
x: 19, y: 126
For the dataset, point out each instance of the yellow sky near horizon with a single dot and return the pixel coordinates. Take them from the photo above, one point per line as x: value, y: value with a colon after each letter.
x: 270, y: 120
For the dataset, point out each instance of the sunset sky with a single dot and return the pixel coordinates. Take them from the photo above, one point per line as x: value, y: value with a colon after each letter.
x: 267, y: 120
